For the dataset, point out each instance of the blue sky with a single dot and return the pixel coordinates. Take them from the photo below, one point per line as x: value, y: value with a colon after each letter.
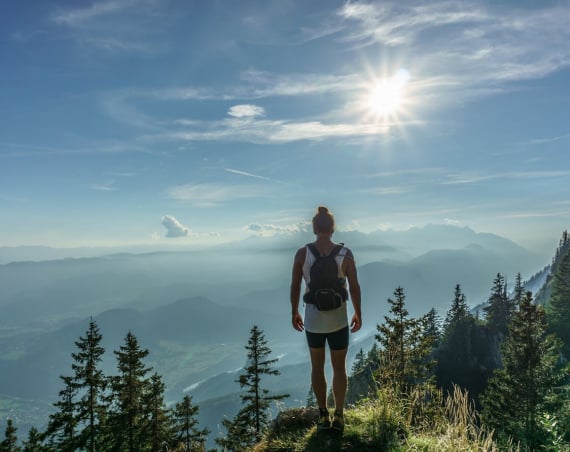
x: 195, y: 122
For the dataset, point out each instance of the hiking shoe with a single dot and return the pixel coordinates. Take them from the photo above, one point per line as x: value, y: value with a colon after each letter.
x: 338, y: 421
x: 324, y: 422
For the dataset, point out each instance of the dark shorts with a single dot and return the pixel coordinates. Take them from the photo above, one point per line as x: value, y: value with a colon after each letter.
x: 338, y: 340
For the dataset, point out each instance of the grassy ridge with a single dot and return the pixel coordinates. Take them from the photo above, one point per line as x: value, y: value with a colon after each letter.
x: 423, y: 421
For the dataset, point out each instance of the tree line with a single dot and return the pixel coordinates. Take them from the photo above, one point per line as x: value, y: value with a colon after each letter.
x: 127, y: 411
x: 122, y: 412
x: 513, y: 360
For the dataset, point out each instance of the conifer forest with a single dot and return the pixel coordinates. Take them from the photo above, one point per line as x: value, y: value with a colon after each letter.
x: 508, y: 360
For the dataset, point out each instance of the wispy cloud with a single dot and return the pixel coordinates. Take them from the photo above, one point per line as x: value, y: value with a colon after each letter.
x: 387, y: 191
x: 254, y: 84
x: 79, y: 16
x: 115, y: 26
x: 452, y: 221
x: 209, y: 195
x: 407, y: 172
x: 106, y: 186
x: 466, y: 178
x: 473, y: 43
x: 394, y: 23
x: 461, y: 51
x: 536, y: 214
x: 547, y: 140
x: 246, y: 174
x: 261, y: 84
x: 246, y: 111
x: 266, y: 230
x: 473, y: 178
x: 267, y: 131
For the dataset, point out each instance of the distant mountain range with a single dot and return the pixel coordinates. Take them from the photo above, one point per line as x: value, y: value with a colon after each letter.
x: 193, y: 309
x: 403, y: 244
x: 43, y: 293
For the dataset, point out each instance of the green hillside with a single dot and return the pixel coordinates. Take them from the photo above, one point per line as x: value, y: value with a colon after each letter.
x: 386, y: 423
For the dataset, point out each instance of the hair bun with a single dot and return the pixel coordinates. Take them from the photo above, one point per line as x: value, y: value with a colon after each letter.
x: 323, y: 209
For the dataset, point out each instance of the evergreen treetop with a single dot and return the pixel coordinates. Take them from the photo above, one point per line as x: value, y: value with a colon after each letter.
x: 252, y: 420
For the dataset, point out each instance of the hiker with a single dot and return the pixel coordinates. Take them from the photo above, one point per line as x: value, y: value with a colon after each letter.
x: 326, y: 316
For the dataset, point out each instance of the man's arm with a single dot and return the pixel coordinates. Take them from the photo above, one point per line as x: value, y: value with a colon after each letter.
x: 354, y: 289
x: 296, y: 278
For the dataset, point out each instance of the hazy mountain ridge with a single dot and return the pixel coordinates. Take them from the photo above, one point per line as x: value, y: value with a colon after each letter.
x: 191, y: 322
x: 411, y: 242
x: 165, y: 299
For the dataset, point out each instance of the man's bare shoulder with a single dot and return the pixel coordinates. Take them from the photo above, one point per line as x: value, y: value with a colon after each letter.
x: 301, y: 253
x: 348, y: 253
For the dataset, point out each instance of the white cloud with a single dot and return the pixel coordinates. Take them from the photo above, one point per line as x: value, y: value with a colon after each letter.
x: 407, y: 171
x: 267, y: 230
x: 489, y: 43
x: 472, y: 178
x: 452, y: 222
x: 246, y: 111
x: 265, y: 84
x: 78, y: 16
x: 536, y: 214
x: 540, y: 141
x: 259, y: 85
x: 208, y: 195
x: 388, y: 191
x: 246, y: 174
x: 266, y: 131
x: 385, y: 226
x: 115, y: 26
x: 174, y: 228
x: 460, y: 179
x: 354, y: 225
x: 460, y: 50
x: 107, y: 186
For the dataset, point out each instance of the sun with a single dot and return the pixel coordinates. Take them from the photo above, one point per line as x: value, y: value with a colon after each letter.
x: 386, y: 96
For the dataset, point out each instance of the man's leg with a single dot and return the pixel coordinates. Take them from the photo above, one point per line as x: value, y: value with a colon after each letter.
x: 340, y: 379
x: 318, y: 379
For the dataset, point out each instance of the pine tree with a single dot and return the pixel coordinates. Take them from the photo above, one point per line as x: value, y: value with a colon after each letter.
x: 185, y: 425
x: 405, y: 349
x: 160, y: 422
x: 498, y: 311
x: 359, y: 361
x: 10, y: 443
x: 61, y: 432
x: 251, y: 421
x: 518, y: 392
x: 458, y: 310
x: 311, y: 399
x: 362, y: 381
x: 128, y: 416
x: 239, y: 433
x: 76, y: 424
x: 458, y: 357
x: 518, y: 292
x: 91, y: 382
x: 432, y: 331
x: 559, y: 304
x: 544, y: 294
x: 34, y: 441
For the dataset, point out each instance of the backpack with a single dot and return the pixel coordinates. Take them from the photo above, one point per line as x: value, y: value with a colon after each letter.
x: 326, y: 289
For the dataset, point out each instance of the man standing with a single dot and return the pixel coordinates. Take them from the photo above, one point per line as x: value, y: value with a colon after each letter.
x: 326, y: 317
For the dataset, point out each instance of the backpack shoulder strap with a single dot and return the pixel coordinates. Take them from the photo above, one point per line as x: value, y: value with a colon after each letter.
x: 336, y: 250
x: 313, y: 249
